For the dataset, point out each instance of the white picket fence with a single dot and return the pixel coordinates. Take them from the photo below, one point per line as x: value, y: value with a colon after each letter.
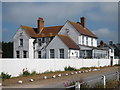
x: 14, y: 67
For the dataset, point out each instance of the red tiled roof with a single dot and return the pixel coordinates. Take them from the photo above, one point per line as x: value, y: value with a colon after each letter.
x: 53, y: 31
x: 82, y: 30
x: 50, y: 31
x: 30, y: 31
x: 46, y: 32
x: 69, y: 42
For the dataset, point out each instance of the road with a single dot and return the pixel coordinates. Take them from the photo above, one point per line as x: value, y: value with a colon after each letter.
x: 58, y: 82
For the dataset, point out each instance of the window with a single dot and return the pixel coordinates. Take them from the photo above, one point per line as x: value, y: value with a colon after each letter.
x: 91, y: 41
x: 61, y: 53
x: 76, y: 54
x: 39, y: 54
x: 39, y: 42
x: 21, y: 42
x: 82, y: 39
x: 86, y: 40
x: 24, y: 54
x: 17, y: 54
x: 52, y: 52
x: 43, y: 39
x: 111, y: 50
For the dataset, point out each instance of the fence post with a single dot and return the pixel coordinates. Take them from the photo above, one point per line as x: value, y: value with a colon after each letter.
x: 118, y: 75
x: 104, y: 81
x: 77, y: 86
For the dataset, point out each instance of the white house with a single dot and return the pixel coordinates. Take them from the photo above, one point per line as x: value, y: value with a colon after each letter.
x: 71, y: 40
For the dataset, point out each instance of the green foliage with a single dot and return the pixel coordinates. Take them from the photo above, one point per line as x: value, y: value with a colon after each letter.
x: 7, y: 48
x: 5, y: 75
x: 70, y: 68
x: 98, y: 85
x: 117, y: 65
x: 34, y: 73
x: 85, y: 86
x: 26, y: 73
x: 85, y: 68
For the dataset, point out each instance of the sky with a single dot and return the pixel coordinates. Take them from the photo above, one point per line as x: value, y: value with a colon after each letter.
x: 101, y: 17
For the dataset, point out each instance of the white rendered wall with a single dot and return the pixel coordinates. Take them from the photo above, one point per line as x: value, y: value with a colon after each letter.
x: 72, y: 32
x: 16, y: 41
x: 14, y: 67
x: 73, y: 54
x: 31, y: 50
x: 57, y: 44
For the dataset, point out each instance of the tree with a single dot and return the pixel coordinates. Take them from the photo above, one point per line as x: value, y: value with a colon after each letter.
x: 7, y: 48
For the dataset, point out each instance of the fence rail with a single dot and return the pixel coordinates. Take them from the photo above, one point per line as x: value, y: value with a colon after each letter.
x: 103, y: 78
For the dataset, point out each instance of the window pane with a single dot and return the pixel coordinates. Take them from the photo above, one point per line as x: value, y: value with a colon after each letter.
x: 21, y: 42
x: 17, y: 54
x: 39, y: 54
x: 86, y: 40
x: 24, y: 54
x: 51, y: 53
x: 82, y: 39
x: 39, y: 42
x: 61, y: 53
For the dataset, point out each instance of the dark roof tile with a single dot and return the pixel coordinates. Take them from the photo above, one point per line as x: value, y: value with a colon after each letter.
x: 69, y: 42
x: 82, y: 30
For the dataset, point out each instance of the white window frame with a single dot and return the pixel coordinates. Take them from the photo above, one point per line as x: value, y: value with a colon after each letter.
x: 62, y: 53
x: 52, y: 53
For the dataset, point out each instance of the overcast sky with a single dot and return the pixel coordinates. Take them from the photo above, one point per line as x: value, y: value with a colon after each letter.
x: 101, y: 18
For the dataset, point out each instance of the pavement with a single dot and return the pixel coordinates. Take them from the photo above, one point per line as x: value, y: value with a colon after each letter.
x: 58, y: 82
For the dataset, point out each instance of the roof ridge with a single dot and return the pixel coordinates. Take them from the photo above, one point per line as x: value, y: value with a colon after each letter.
x: 26, y: 26
x: 54, y: 26
x: 72, y: 21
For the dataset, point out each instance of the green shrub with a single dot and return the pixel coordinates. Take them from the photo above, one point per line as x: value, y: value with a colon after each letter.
x: 26, y: 73
x: 85, y: 68
x: 70, y: 68
x: 117, y: 65
x: 33, y: 73
x: 85, y: 86
x: 98, y: 85
x: 5, y: 75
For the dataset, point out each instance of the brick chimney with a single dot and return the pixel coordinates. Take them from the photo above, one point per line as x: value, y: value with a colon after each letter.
x: 40, y: 24
x: 83, y: 21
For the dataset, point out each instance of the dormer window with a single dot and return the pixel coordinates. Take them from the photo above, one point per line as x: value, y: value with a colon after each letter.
x: 21, y: 42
